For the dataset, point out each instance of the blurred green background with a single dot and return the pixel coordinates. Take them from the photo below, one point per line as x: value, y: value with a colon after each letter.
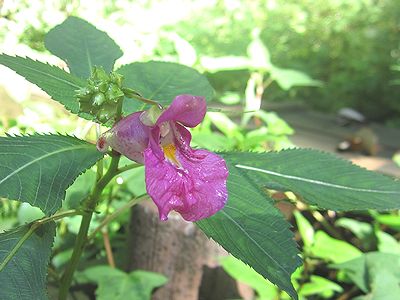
x: 352, y: 47
x: 328, y: 54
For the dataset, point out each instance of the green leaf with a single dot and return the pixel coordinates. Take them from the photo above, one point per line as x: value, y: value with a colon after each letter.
x: 117, y: 285
x: 362, y: 230
x: 24, y: 277
x: 259, y: 55
x: 82, y: 46
x: 212, y: 140
x: 320, y: 286
x: 396, y: 157
x: 225, y: 124
x: 305, y: 229
x: 135, y: 181
x: 79, y: 190
x: 58, y: 84
x: 254, y: 231
x: 225, y: 63
x: 162, y: 82
x: 323, y: 245
x: 377, y: 274
x: 276, y: 125
x: 355, y: 270
x: 387, y: 243
x: 186, y: 52
x: 320, y: 178
x: 391, y: 220
x: 243, y: 273
x: 38, y: 169
x: 288, y: 78
x: 28, y: 213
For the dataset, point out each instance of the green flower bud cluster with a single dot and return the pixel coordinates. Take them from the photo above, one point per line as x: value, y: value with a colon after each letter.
x: 102, y: 95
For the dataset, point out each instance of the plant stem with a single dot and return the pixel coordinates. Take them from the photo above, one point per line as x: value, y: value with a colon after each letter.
x: 267, y: 82
x: 99, y: 172
x: 128, y: 167
x: 145, y: 100
x: 119, y: 109
x: 17, y: 246
x: 328, y: 227
x: 107, y: 246
x: 135, y: 95
x: 115, y: 214
x: 33, y: 227
x: 349, y: 294
x: 66, y: 279
x: 88, y: 207
x: 55, y: 217
x: 53, y: 273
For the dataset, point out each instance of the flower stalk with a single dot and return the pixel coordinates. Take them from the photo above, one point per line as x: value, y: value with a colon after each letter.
x: 135, y: 95
x: 88, y: 207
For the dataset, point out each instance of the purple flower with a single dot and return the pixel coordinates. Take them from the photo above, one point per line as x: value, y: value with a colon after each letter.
x: 189, y: 181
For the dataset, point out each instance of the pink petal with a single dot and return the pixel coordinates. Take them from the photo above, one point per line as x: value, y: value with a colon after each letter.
x: 179, y: 134
x: 183, y: 137
x: 186, y: 109
x: 129, y: 137
x: 196, y: 189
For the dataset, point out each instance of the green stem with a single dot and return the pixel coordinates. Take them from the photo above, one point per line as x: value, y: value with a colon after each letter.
x: 145, y: 100
x: 128, y: 167
x: 267, y: 82
x: 115, y: 214
x: 80, y: 242
x: 51, y: 272
x: 66, y: 279
x: 135, y: 95
x: 119, y: 109
x: 99, y: 172
x: 33, y: 227
x: 328, y: 227
x: 17, y: 246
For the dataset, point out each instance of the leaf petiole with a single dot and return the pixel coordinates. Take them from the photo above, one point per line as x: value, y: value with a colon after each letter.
x: 135, y: 95
x: 127, y: 168
x: 115, y: 214
x: 35, y: 225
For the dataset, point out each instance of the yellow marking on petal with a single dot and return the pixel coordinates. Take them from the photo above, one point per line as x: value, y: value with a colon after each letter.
x: 169, y: 152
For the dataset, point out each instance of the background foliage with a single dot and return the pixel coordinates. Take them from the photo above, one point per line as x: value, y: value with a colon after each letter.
x: 345, y: 46
x: 349, y: 45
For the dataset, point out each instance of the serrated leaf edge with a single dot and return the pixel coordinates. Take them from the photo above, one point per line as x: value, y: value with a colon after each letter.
x: 54, y: 135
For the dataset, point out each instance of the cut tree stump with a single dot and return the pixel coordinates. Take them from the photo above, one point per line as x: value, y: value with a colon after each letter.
x: 175, y: 248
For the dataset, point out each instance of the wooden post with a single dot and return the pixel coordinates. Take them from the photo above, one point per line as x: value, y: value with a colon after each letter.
x: 180, y: 251
x: 175, y: 248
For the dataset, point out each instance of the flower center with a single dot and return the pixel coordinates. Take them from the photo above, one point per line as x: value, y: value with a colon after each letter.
x: 169, y: 152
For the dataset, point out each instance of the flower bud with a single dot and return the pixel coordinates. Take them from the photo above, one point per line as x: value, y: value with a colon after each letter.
x: 99, y: 99
x: 102, y: 94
